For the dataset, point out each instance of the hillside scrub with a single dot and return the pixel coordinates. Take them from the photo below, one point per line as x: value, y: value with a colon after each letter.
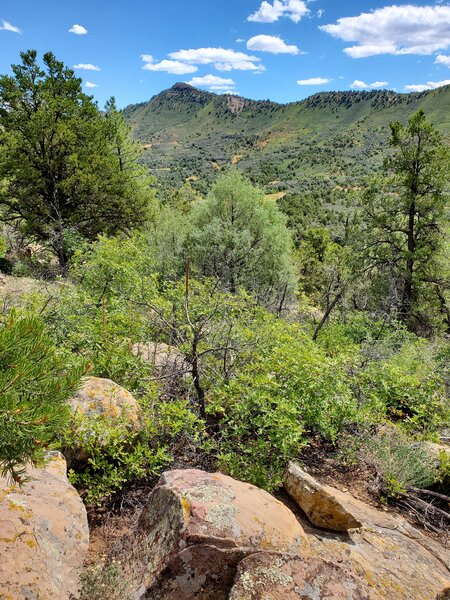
x: 258, y: 390
x: 296, y: 332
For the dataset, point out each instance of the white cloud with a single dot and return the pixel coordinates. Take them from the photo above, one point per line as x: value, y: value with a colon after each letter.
x: 429, y: 85
x: 167, y: 66
x: 86, y: 67
x: 89, y: 84
x: 240, y: 40
x: 405, y: 29
x: 221, y: 58
x: 78, y: 30
x: 223, y: 88
x: 314, y: 81
x: 443, y: 60
x: 270, y: 43
x: 210, y: 81
x: 6, y: 26
x: 361, y: 85
x: 320, y: 13
x: 269, y: 13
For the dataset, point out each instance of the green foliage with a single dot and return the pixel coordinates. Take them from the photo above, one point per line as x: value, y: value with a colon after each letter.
x: 241, y: 239
x: 404, y: 218
x: 35, y: 383
x: 407, y: 387
x: 59, y: 160
x: 3, y: 247
x: 399, y: 462
x: 119, y: 453
x: 288, y: 393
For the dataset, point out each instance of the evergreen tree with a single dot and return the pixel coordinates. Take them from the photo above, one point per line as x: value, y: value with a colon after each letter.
x: 404, y: 215
x: 34, y: 387
x: 58, y: 159
x: 241, y: 238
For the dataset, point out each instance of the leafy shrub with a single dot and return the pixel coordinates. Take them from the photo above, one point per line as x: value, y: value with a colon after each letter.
x: 408, y: 387
x: 117, y: 453
x: 288, y: 393
x: 35, y: 382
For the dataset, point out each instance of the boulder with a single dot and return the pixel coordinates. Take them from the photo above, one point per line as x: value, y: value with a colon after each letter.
x: 197, y: 526
x: 393, y: 557
x: 44, y: 535
x: 165, y: 358
x: 103, y: 397
x: 272, y: 576
x: 321, y: 504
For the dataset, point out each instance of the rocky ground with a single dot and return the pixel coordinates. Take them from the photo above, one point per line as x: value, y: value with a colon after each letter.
x: 205, y: 536
x: 196, y: 534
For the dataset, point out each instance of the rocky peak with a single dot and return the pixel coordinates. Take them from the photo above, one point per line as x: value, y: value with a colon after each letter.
x: 183, y: 87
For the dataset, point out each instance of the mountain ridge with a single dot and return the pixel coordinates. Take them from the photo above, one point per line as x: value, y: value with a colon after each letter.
x: 339, y: 136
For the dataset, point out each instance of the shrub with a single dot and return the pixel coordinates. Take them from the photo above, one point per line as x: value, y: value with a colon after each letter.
x: 35, y: 382
x: 408, y: 387
x: 400, y: 463
x: 117, y: 453
x: 288, y: 393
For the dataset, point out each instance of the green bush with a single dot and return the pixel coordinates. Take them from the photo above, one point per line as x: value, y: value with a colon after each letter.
x: 400, y: 463
x: 35, y: 382
x: 116, y: 453
x: 290, y: 392
x: 407, y: 387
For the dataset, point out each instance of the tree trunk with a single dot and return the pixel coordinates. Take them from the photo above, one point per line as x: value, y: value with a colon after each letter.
x: 196, y: 376
x: 326, y: 315
x: 408, y: 289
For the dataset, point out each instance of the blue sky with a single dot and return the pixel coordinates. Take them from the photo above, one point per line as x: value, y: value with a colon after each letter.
x: 284, y: 50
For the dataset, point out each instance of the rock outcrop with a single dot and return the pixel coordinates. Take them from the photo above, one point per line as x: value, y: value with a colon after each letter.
x: 322, y: 504
x: 198, y: 526
x: 166, y: 359
x: 271, y: 576
x: 103, y: 397
x: 393, y: 557
x: 44, y: 535
x: 206, y: 536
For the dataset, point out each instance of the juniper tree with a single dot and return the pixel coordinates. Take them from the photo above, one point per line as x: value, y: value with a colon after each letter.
x: 58, y: 160
x: 241, y: 238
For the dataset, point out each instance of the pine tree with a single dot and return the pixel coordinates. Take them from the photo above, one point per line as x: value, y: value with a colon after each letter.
x: 404, y: 216
x: 35, y: 384
x: 58, y: 159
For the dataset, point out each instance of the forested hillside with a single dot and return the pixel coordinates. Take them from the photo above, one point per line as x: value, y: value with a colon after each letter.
x: 330, y: 139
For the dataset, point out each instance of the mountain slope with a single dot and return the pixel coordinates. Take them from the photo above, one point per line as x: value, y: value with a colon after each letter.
x: 334, y: 137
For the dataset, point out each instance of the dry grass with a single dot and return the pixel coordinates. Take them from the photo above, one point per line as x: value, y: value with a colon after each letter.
x: 13, y: 290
